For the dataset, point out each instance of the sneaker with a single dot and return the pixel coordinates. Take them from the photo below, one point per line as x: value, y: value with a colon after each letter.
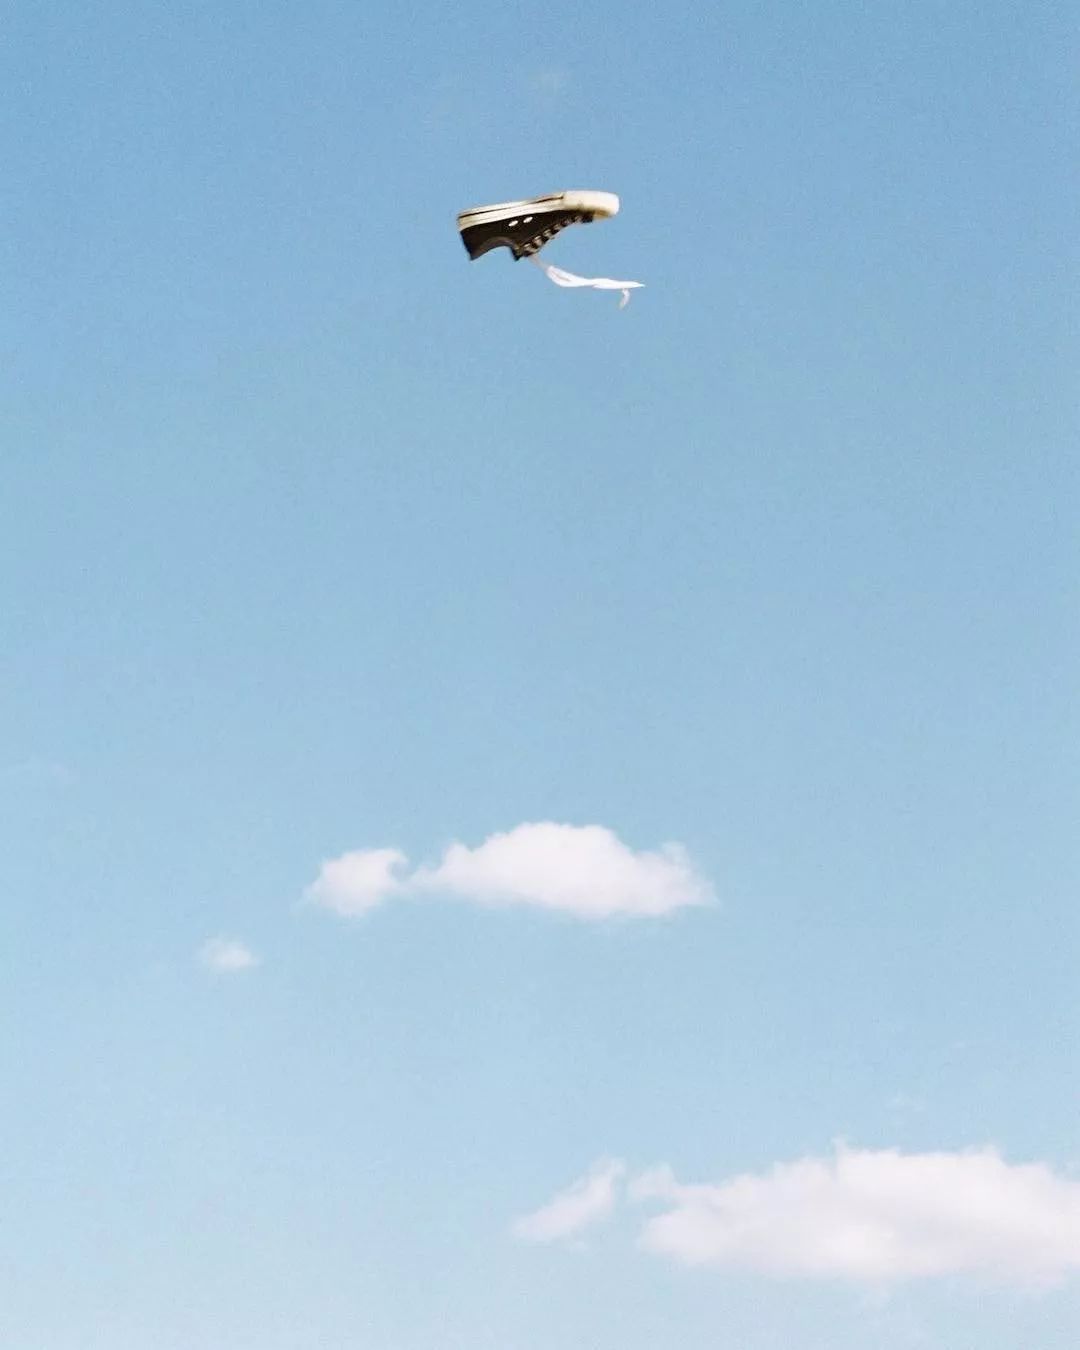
x: 525, y: 227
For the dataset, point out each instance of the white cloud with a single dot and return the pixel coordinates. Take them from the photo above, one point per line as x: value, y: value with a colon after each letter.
x: 589, y: 1200
x: 875, y: 1216
x: 358, y: 881
x: 226, y: 955
x: 583, y: 870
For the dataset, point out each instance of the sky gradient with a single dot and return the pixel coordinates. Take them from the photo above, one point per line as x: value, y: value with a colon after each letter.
x: 480, y: 771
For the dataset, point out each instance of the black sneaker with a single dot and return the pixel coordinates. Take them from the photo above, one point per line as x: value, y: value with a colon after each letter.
x: 525, y: 227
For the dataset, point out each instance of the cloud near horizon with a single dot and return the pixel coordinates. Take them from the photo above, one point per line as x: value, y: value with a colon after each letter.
x: 876, y: 1217
x: 358, y: 881
x: 582, y: 870
x: 584, y: 1203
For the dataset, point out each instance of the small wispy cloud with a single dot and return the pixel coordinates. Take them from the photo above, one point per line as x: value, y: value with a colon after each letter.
x: 871, y: 1217
x: 358, y: 881
x: 549, y: 81
x: 584, y: 870
x: 226, y: 956
x: 905, y: 1104
x: 588, y: 1201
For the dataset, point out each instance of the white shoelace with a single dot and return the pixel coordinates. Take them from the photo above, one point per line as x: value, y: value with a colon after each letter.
x: 561, y: 278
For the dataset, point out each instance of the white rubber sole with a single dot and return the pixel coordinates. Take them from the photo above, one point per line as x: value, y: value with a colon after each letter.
x: 602, y: 204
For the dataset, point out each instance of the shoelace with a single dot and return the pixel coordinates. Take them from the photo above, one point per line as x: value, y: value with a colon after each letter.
x: 563, y: 278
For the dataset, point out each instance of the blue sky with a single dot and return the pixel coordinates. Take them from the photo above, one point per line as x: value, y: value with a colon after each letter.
x: 317, y: 540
